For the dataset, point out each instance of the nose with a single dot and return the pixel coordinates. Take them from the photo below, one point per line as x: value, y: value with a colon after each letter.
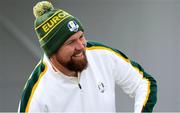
x: 80, y: 45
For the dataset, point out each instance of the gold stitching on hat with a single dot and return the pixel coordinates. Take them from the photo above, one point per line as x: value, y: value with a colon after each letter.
x: 53, y: 28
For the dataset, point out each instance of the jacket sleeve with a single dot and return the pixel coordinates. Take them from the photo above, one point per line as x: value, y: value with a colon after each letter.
x: 136, y: 83
x: 29, y: 102
x: 33, y: 107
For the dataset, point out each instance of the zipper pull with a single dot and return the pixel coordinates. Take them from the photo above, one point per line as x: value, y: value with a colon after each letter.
x: 79, y: 80
x: 79, y: 86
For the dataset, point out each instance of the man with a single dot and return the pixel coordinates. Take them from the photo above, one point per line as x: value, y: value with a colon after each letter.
x: 76, y: 75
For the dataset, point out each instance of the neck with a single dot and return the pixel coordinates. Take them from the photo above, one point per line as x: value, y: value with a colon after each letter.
x: 59, y: 67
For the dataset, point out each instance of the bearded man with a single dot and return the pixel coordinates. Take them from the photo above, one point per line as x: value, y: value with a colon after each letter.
x: 76, y: 75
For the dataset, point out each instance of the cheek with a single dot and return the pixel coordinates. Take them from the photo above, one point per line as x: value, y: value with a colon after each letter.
x: 65, y: 54
x: 83, y: 40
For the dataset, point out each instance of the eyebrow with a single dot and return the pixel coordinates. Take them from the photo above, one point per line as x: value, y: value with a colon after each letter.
x: 74, y: 39
x: 69, y: 41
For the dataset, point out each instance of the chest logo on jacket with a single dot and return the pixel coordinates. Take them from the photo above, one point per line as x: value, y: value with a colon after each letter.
x: 101, y: 87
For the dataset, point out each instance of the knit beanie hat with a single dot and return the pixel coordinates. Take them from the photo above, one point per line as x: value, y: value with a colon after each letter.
x: 53, y: 26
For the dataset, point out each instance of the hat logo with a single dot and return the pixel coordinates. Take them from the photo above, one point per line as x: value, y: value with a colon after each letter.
x: 73, y: 26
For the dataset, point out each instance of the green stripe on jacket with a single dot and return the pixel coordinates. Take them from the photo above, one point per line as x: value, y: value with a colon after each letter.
x: 29, y: 85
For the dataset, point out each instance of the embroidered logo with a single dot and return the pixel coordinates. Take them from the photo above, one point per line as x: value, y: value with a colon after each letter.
x: 73, y: 26
x: 101, y: 87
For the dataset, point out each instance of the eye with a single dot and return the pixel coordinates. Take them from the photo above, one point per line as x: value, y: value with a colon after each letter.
x: 81, y: 37
x: 69, y: 42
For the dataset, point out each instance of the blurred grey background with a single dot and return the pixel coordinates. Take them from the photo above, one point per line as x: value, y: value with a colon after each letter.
x: 147, y: 31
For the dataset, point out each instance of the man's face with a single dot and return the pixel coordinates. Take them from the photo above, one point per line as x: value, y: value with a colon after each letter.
x: 72, y: 54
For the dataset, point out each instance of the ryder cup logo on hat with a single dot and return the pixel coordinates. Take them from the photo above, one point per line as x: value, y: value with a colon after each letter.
x: 73, y: 26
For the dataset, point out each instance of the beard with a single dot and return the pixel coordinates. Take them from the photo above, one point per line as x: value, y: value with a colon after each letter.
x: 77, y: 65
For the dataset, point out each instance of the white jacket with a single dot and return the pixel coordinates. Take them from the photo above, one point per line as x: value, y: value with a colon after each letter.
x: 94, y: 89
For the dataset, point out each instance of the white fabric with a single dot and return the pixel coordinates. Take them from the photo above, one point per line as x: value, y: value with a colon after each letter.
x: 57, y: 92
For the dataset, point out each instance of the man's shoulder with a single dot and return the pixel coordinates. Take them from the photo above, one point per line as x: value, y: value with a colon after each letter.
x: 30, y: 85
x: 93, y: 45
